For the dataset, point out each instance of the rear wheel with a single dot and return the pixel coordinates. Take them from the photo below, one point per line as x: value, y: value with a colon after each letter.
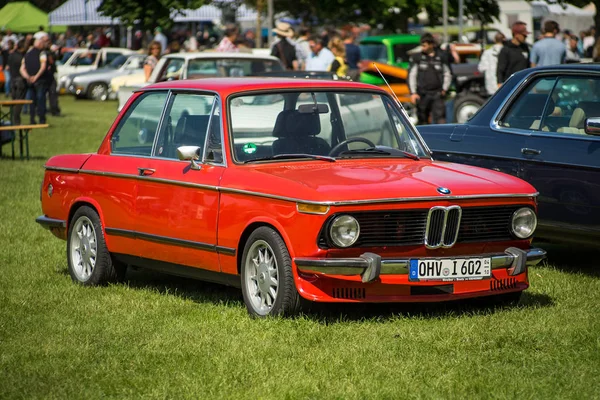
x: 89, y: 261
x: 98, y: 91
x: 268, y: 284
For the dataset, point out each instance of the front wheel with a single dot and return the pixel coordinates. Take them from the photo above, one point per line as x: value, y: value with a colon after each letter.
x: 98, y: 91
x: 268, y: 284
x: 88, y: 258
x: 465, y: 106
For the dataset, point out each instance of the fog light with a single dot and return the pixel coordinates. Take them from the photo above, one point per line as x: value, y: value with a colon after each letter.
x: 344, y: 231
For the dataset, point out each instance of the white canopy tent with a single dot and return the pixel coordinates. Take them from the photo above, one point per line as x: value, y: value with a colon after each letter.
x: 85, y: 12
x: 80, y: 12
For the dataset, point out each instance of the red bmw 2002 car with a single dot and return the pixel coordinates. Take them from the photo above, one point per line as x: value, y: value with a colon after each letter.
x: 290, y: 189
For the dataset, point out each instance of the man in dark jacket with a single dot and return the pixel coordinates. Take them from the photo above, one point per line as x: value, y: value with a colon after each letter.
x: 429, y: 79
x: 18, y: 87
x: 514, y: 56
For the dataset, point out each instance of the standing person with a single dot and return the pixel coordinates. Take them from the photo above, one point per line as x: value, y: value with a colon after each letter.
x: 302, y: 47
x: 352, y: 54
x: 548, y: 50
x: 230, y: 36
x: 514, y: 56
x: 6, y: 50
x: 154, y: 51
x: 53, y: 56
x: 283, y: 48
x: 488, y: 64
x: 160, y: 38
x: 429, y: 79
x: 339, y: 65
x: 321, y: 57
x: 573, y: 54
x: 18, y: 86
x: 34, y: 69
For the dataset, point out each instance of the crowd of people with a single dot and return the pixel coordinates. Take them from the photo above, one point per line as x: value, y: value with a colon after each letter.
x: 553, y: 47
x: 29, y: 61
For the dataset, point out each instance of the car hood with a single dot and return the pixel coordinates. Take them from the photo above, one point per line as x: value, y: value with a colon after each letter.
x: 351, y: 180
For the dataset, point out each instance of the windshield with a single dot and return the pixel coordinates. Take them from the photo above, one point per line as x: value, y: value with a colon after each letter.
x: 117, y: 62
x: 203, y: 68
x: 320, y: 124
x: 374, y: 52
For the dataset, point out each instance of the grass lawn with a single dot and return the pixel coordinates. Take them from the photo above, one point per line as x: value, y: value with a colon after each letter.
x: 164, y: 337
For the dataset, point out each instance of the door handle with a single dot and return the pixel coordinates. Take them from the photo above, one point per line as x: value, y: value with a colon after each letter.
x: 146, y: 171
x: 531, y: 152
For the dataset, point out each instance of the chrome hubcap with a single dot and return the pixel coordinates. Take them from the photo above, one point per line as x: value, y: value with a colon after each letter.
x: 99, y: 92
x: 83, y: 248
x: 261, y: 277
x: 465, y: 112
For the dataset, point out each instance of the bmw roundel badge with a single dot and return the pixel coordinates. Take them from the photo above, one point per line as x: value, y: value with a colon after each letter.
x: 443, y: 190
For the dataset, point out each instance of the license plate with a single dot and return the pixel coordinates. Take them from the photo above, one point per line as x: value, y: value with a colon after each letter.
x: 449, y: 269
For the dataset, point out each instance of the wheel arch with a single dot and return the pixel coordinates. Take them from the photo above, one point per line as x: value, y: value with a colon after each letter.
x: 77, y: 204
x: 251, y: 227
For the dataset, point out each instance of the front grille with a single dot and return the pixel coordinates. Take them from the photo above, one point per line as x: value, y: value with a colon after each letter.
x: 408, y: 227
x: 503, y: 284
x: 348, y: 293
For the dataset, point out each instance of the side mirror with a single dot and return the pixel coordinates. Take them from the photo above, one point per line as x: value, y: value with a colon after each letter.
x: 190, y: 153
x: 592, y: 126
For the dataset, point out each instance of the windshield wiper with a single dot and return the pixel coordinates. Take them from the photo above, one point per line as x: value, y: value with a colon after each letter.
x: 382, y: 150
x: 292, y: 156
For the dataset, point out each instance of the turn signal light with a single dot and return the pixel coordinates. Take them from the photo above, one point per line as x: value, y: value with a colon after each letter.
x: 312, y: 208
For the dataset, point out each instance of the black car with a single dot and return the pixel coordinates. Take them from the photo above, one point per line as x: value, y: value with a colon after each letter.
x: 543, y: 125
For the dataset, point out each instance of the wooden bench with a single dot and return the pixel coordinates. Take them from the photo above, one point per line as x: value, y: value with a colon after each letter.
x: 23, y: 136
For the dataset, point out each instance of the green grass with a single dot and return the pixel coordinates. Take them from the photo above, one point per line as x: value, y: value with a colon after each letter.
x: 164, y: 337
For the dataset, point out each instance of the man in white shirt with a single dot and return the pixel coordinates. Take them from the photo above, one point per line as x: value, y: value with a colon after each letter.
x: 321, y: 57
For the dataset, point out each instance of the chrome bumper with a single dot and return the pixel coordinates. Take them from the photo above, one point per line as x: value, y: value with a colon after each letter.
x: 370, y: 265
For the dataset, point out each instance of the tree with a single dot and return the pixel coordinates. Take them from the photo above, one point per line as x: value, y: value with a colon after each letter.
x: 147, y: 14
x: 484, y: 10
x: 392, y: 14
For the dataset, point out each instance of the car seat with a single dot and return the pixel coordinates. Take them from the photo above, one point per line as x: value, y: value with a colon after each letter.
x: 584, y: 110
x: 190, y: 131
x: 297, y: 133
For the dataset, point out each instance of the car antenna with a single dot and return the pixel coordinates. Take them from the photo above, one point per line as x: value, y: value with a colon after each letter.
x: 394, y: 94
x: 412, y: 125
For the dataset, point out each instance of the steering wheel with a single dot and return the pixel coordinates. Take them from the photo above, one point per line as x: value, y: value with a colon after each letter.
x: 334, y: 152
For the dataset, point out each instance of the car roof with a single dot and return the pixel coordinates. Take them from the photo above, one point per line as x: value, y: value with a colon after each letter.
x: 566, y: 67
x: 220, y: 54
x: 227, y: 86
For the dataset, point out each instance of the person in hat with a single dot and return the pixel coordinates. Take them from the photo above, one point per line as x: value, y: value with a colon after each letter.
x: 514, y: 56
x: 284, y: 48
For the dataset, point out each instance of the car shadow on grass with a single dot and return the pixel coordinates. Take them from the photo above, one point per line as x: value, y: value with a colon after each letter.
x: 329, y: 313
x: 572, y: 259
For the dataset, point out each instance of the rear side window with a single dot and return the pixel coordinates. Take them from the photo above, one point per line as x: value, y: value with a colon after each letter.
x: 136, y: 130
x: 528, y: 109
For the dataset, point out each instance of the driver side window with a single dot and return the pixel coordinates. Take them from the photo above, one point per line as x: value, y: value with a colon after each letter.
x: 527, y: 111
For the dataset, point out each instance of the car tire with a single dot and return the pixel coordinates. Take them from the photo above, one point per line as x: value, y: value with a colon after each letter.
x: 89, y: 260
x: 98, y: 91
x: 465, y: 106
x: 268, y: 285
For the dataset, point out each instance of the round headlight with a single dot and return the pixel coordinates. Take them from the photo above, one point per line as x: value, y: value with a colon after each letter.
x: 523, y: 223
x: 344, y: 230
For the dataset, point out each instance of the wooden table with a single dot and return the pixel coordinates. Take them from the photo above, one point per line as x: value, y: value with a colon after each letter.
x: 8, y: 115
x: 23, y: 136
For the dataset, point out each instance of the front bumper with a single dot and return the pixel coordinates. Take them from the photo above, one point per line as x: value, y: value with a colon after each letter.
x: 370, y: 265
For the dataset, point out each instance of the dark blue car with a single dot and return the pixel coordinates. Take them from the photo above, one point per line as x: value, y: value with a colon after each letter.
x: 543, y: 125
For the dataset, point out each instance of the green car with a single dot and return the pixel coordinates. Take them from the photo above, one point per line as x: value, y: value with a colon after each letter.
x: 387, y: 49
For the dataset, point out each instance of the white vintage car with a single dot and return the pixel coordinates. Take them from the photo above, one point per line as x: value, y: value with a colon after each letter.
x: 83, y: 60
x: 207, y: 64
